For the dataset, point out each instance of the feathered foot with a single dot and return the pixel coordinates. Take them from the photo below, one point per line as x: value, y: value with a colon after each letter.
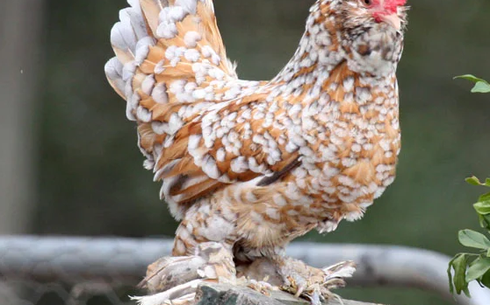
x: 296, y: 277
x: 312, y: 283
x: 212, y: 262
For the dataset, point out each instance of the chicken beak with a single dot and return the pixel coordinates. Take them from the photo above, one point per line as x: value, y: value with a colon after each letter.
x: 393, y: 20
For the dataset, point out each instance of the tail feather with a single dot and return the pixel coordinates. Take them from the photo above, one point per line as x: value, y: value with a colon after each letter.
x: 167, y: 52
x: 170, y: 65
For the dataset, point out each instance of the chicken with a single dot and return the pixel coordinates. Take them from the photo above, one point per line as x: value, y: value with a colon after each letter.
x: 251, y: 165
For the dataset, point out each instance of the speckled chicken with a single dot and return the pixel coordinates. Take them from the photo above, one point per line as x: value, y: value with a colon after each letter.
x: 254, y: 164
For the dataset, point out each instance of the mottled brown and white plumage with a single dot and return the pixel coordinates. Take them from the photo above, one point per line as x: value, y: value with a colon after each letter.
x: 255, y: 164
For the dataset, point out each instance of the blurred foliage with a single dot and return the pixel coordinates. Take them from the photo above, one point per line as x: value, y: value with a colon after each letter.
x: 90, y: 178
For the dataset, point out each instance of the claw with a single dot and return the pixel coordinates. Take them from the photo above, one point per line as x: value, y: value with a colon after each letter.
x: 185, y: 300
x: 340, y: 270
x: 300, y: 291
x: 338, y: 299
x: 315, y: 298
x: 261, y: 286
x: 334, y: 283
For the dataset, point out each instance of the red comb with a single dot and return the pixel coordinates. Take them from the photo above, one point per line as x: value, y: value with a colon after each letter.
x: 391, y: 5
x: 398, y: 2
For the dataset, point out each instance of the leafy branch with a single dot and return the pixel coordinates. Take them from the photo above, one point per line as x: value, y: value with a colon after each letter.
x: 468, y: 267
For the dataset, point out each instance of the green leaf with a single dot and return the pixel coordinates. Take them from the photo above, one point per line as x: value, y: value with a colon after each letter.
x: 458, y: 264
x: 484, y: 221
x: 487, y: 182
x: 484, y: 197
x: 470, y: 238
x: 478, y: 268
x: 450, y: 275
x: 481, y: 87
x: 473, y: 180
x: 470, y: 77
x: 482, y: 207
x: 485, y: 280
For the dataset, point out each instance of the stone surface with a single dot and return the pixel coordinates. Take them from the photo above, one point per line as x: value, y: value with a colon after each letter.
x: 223, y: 294
x: 220, y: 294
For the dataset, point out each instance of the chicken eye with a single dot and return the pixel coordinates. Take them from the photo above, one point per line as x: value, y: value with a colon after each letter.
x: 367, y: 2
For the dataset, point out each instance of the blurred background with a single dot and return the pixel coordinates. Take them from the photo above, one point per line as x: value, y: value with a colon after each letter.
x: 69, y: 164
